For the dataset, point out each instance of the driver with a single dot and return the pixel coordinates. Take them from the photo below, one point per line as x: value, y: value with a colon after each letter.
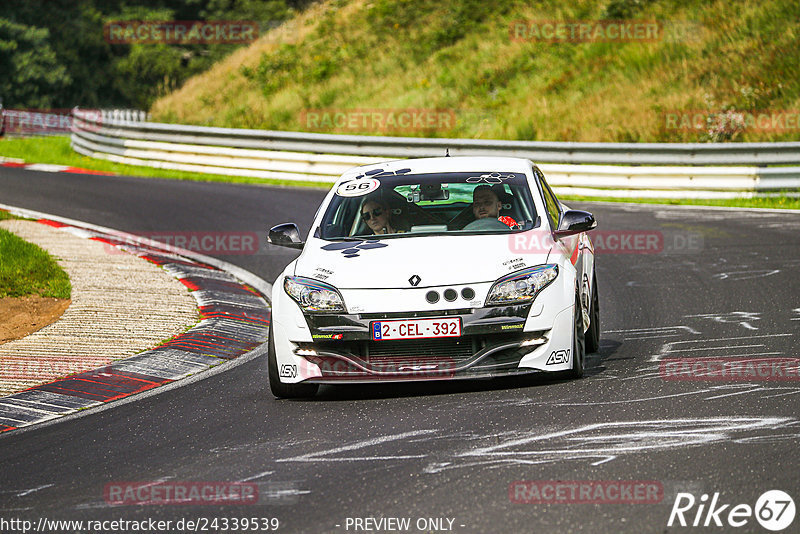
x: 485, y: 204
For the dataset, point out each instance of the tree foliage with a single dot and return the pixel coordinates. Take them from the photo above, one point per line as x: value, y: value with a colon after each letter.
x: 31, y: 71
x: 53, y: 53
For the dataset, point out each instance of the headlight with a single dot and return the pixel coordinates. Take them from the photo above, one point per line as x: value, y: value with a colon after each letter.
x: 313, y: 295
x: 522, y: 286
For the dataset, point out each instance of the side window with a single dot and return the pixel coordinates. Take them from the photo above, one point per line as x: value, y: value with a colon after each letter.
x: 551, y: 202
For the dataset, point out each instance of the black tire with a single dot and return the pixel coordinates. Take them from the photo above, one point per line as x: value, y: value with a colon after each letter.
x: 578, y: 341
x: 593, y: 334
x: 278, y: 388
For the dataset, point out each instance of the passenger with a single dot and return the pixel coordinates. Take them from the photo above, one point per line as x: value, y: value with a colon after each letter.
x: 378, y: 216
x: 485, y: 204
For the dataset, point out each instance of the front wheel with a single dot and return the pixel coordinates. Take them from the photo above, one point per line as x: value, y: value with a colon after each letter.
x: 578, y: 341
x: 278, y: 388
x: 593, y: 334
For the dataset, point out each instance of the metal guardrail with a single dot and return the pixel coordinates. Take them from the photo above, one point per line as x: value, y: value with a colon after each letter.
x: 572, y: 167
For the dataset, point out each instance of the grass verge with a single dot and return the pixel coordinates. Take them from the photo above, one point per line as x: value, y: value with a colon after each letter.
x: 498, y: 77
x: 57, y: 150
x: 26, y: 269
x: 782, y: 202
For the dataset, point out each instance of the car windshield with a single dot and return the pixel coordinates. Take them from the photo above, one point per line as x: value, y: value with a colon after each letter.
x: 403, y: 205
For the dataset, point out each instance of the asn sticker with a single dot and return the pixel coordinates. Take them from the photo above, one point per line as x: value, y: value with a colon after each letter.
x: 358, y: 188
x: 559, y: 356
x: 288, y: 371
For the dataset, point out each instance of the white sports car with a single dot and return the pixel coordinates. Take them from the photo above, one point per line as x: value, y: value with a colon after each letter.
x: 431, y: 269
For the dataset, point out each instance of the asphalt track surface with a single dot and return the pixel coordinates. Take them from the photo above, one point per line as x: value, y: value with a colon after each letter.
x: 721, y: 284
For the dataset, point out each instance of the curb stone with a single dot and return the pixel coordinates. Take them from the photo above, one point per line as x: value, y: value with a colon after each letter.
x: 234, y: 321
x: 49, y: 167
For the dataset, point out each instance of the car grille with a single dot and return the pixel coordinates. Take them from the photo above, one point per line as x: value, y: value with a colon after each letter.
x: 421, y: 358
x: 422, y: 350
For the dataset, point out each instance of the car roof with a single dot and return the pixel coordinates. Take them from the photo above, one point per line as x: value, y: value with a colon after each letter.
x: 445, y: 164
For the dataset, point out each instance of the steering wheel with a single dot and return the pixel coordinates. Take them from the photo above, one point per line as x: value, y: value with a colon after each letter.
x: 488, y: 223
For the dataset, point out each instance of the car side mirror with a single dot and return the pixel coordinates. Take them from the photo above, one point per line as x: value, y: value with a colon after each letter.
x: 285, y: 235
x: 574, y: 222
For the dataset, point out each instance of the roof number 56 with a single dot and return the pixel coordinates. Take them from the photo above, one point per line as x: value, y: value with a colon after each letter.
x: 358, y: 188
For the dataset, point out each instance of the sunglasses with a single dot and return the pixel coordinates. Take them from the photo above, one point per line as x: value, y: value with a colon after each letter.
x: 367, y: 215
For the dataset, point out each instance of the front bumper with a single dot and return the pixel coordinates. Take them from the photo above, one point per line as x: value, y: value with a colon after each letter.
x: 494, y: 341
x: 492, y: 344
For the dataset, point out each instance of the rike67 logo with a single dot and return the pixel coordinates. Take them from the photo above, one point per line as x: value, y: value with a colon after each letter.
x: 774, y: 510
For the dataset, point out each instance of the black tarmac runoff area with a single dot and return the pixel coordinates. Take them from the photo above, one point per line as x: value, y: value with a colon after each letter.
x: 687, y: 415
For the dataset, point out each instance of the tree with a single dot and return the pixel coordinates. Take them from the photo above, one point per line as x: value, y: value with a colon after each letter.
x: 53, y: 53
x: 31, y: 72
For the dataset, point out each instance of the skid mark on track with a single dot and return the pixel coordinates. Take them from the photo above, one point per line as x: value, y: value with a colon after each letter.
x: 745, y: 275
x: 749, y: 346
x: 769, y: 439
x: 256, y: 476
x: 655, y: 332
x: 743, y: 319
x: 713, y: 392
x: 603, y: 442
x: 28, y: 491
x: 328, y: 455
x: 594, y: 443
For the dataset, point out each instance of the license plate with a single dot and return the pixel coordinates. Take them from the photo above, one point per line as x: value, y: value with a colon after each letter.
x: 416, y: 328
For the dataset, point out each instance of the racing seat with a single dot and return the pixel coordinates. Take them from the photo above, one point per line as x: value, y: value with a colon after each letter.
x: 465, y: 216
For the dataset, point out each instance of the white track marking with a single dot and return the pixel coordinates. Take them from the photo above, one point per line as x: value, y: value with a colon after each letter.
x: 769, y: 439
x: 318, y: 456
x: 737, y: 393
x: 631, y: 436
x: 716, y: 348
x: 737, y: 317
x: 753, y: 354
x: 626, y: 401
x: 655, y: 336
x: 745, y: 275
x: 24, y: 492
x: 604, y: 442
x: 607, y: 459
x: 256, y: 477
x: 654, y: 332
x: 598, y: 443
x: 670, y: 347
x: 795, y: 392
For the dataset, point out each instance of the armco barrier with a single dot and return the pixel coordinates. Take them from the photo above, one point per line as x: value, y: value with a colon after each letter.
x: 640, y: 170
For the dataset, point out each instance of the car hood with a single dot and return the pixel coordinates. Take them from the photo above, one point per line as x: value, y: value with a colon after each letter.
x: 394, y: 263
